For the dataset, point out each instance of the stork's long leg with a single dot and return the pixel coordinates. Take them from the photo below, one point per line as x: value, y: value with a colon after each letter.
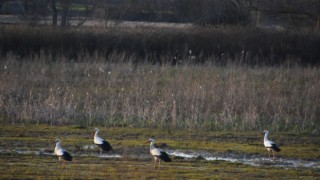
x: 159, y: 163
x: 269, y: 154
x: 273, y: 153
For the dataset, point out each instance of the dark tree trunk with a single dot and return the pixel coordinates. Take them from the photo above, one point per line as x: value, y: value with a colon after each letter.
x: 54, y: 12
x: 65, y: 14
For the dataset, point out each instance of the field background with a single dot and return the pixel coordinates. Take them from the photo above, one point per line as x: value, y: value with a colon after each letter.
x: 27, y: 152
x: 207, y: 111
x: 204, y: 78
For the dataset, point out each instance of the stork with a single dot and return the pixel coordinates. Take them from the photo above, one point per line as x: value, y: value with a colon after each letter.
x: 101, y: 143
x: 157, y: 153
x: 61, y: 153
x: 271, y: 146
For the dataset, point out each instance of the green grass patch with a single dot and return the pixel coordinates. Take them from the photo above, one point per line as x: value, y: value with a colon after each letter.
x: 24, y: 166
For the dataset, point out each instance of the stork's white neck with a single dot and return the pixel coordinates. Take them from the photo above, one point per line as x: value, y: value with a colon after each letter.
x: 58, y: 149
x: 266, y: 136
x: 97, y: 139
x: 152, y: 145
x: 58, y: 145
x: 96, y: 134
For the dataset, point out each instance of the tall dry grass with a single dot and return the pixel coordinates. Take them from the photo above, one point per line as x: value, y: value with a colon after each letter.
x: 116, y: 92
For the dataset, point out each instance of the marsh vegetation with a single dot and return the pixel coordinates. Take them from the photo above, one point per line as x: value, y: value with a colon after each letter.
x: 115, y: 92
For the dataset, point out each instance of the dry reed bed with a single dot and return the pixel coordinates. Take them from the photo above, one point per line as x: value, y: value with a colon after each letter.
x: 110, y: 92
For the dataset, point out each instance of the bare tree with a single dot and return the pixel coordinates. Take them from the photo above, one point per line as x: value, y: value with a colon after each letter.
x: 1, y: 3
x: 54, y: 12
x: 65, y: 4
x: 213, y: 12
x: 294, y: 12
x: 34, y: 10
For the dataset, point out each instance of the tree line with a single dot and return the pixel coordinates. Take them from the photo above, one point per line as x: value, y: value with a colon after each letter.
x: 290, y: 13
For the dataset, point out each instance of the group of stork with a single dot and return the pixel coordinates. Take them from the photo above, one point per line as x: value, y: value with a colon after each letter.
x: 157, y: 153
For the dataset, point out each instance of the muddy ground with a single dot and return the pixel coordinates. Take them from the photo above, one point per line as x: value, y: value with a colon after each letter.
x: 27, y: 152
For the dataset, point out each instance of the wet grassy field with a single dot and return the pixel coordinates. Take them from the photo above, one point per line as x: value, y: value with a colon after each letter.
x: 26, y: 152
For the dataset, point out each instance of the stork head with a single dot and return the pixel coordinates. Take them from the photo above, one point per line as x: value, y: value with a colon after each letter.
x: 151, y: 140
x: 96, y: 129
x: 265, y: 132
x: 57, y: 140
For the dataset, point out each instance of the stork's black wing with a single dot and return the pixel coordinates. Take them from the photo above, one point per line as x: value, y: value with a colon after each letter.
x: 275, y: 147
x: 105, y: 146
x: 66, y: 156
x: 165, y: 157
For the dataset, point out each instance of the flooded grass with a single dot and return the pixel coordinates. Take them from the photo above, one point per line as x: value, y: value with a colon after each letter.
x: 26, y: 152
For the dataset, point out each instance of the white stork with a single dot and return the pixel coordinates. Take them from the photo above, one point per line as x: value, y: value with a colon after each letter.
x: 157, y: 153
x: 61, y: 153
x: 101, y: 143
x: 271, y: 146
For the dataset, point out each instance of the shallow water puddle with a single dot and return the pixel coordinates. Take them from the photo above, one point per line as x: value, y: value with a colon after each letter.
x: 252, y: 161
x: 48, y: 153
x: 233, y: 158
